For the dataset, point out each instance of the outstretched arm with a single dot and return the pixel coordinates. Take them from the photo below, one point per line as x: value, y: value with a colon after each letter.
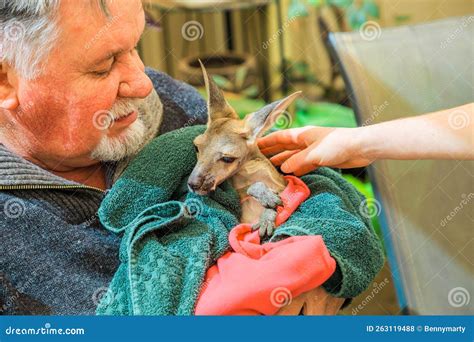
x: 447, y: 134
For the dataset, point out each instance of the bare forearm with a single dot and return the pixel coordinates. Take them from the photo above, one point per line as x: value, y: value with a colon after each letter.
x: 447, y: 134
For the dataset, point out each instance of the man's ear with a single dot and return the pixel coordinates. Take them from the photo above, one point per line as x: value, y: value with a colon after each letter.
x: 260, y: 121
x: 217, y: 106
x: 8, y: 94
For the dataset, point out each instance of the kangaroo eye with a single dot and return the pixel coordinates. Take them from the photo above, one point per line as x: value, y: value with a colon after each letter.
x: 228, y: 160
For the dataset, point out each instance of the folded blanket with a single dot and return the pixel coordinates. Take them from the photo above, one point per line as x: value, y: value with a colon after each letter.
x: 259, y: 279
x: 171, y: 237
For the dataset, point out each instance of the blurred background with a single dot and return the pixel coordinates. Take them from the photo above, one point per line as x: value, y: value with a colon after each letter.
x: 258, y: 51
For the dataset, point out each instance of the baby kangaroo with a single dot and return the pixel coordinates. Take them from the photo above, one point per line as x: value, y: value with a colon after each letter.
x: 228, y: 150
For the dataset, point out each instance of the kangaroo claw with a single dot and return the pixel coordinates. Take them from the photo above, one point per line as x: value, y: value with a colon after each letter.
x: 266, y: 223
x: 267, y: 197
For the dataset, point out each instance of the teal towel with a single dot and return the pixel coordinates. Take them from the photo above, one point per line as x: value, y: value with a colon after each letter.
x: 171, y: 237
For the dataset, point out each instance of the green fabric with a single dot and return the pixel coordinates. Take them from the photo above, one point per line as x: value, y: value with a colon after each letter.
x: 323, y: 114
x: 171, y: 237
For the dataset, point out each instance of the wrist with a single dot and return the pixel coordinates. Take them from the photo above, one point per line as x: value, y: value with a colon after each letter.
x: 366, y: 146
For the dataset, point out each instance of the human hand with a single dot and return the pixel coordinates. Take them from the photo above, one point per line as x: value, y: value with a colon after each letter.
x: 301, y: 150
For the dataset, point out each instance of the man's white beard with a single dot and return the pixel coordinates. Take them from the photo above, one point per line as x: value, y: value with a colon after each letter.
x: 126, y: 144
x: 135, y: 136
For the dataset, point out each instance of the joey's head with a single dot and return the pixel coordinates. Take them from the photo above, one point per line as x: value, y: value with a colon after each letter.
x: 228, y: 141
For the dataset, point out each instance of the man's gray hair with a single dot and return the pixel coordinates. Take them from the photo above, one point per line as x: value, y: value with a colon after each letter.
x: 28, y: 32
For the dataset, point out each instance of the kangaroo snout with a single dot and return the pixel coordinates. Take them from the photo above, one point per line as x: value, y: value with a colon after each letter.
x: 200, y: 183
x: 194, y: 183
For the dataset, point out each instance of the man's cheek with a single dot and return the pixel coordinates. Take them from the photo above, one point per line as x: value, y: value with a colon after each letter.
x: 77, y: 131
x: 42, y: 123
x: 41, y: 112
x: 82, y: 142
x: 87, y: 126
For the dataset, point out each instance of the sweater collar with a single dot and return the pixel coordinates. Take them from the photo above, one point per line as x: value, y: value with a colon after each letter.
x: 17, y: 171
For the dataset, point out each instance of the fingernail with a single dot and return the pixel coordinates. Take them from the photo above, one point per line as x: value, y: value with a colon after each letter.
x: 284, y: 168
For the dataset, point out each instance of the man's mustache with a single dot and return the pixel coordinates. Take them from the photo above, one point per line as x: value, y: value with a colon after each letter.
x: 122, y: 108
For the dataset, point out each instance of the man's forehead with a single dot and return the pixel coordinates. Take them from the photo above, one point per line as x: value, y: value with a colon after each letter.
x: 100, y: 35
x: 81, y: 15
x: 106, y: 5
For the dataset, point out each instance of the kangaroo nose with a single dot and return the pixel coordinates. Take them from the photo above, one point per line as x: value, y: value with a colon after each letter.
x: 194, y: 183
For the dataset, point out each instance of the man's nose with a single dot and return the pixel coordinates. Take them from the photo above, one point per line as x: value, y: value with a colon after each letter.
x: 136, y: 84
x: 138, y: 87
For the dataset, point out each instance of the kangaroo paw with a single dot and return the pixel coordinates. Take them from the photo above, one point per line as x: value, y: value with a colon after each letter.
x: 267, y: 197
x: 266, y: 223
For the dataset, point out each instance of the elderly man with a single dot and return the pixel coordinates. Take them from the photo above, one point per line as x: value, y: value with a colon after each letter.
x: 74, y: 98
x: 75, y: 102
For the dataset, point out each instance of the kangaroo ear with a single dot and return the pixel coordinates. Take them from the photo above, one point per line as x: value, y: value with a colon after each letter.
x: 217, y: 106
x: 260, y: 121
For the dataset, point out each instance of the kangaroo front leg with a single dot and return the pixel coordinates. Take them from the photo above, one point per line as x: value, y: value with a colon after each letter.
x: 269, y: 200
x: 266, y: 196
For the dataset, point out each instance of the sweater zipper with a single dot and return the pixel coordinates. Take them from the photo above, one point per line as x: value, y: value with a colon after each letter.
x: 41, y: 186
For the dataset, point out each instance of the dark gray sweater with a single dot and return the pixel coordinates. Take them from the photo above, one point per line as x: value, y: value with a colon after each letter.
x: 55, y: 257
